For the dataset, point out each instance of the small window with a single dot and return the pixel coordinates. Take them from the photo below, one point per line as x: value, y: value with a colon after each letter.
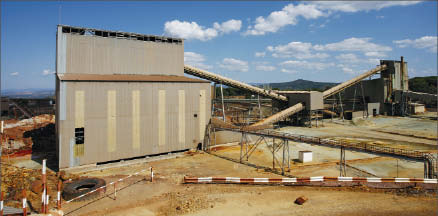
x: 79, y: 135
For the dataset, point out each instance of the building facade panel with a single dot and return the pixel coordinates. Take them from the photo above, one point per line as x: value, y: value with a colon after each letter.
x: 108, y: 109
x: 89, y: 54
x: 106, y: 112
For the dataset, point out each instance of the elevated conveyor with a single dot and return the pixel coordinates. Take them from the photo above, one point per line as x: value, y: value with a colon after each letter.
x: 232, y: 83
x: 353, y: 81
x: 274, y: 95
x: 280, y: 115
x: 430, y: 159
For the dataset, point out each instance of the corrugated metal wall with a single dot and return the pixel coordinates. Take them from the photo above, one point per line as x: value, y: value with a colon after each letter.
x: 102, y: 55
x: 124, y: 120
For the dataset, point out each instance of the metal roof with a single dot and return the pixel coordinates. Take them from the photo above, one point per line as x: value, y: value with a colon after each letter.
x: 126, y: 78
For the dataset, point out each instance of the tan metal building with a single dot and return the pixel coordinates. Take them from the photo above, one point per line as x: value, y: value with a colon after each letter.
x: 124, y: 95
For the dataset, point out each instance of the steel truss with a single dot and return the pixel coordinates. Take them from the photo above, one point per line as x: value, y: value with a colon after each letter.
x: 247, y: 148
x: 430, y: 160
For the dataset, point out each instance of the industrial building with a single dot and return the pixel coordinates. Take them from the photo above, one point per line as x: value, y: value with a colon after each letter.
x: 124, y: 95
x: 385, y: 95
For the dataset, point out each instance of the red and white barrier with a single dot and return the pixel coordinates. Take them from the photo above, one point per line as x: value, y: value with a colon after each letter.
x: 107, y: 185
x: 47, y: 204
x: 43, y: 196
x: 59, y: 195
x: 305, y: 179
x: 1, y: 202
x: 24, y: 202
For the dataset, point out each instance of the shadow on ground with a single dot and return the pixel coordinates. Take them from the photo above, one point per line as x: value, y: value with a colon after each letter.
x: 44, y: 145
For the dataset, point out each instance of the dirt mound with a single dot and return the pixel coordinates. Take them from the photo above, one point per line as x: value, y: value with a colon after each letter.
x: 15, y: 179
x: 33, y: 134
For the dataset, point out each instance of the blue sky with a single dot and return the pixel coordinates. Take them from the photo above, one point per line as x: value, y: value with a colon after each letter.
x: 248, y: 41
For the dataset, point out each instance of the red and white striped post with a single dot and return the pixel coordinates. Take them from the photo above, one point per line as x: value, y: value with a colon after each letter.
x: 115, y: 190
x: 59, y: 195
x: 43, y: 196
x: 24, y: 203
x: 46, y: 209
x: 1, y: 201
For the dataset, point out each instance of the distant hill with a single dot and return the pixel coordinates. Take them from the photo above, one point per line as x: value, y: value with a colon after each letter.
x: 417, y: 84
x: 424, y: 84
x: 28, y: 93
x: 300, y: 84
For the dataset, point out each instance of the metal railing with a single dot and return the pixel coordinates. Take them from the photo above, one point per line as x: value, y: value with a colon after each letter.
x: 431, y: 162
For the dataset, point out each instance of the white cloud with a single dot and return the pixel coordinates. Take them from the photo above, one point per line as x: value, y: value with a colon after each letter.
x: 304, y: 50
x: 354, y: 44
x: 375, y: 54
x: 426, y: 42
x: 47, y: 72
x: 264, y: 66
x: 14, y: 74
x: 356, y: 6
x: 196, y: 60
x: 193, y: 57
x: 191, y: 30
x: 374, y: 61
x: 290, y: 14
x: 380, y: 17
x: 348, y: 57
x: 295, y: 49
x: 306, y: 65
x: 278, y: 19
x: 288, y: 71
x: 346, y: 69
x: 234, y: 65
x: 260, y: 54
x: 228, y: 26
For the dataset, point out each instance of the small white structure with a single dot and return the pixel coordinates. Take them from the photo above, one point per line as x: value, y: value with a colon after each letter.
x: 417, y: 108
x: 305, y: 156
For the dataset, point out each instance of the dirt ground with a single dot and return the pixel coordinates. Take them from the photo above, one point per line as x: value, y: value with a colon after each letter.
x: 400, y: 132
x: 167, y: 195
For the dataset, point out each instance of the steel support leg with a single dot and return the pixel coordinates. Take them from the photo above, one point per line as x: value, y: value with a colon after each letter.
x: 354, y: 97
x: 288, y: 155
x: 241, y: 147
x: 342, y: 166
x: 223, y: 106
x: 260, y: 107
x: 284, y: 157
x: 365, y: 109
x: 214, y: 100
x: 342, y: 109
x: 273, y: 153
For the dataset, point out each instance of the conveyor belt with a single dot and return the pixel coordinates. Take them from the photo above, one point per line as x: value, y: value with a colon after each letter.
x: 351, y: 82
x: 233, y: 83
x: 280, y: 115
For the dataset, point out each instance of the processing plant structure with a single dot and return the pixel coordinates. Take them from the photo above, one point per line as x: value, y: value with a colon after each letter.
x: 124, y: 95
